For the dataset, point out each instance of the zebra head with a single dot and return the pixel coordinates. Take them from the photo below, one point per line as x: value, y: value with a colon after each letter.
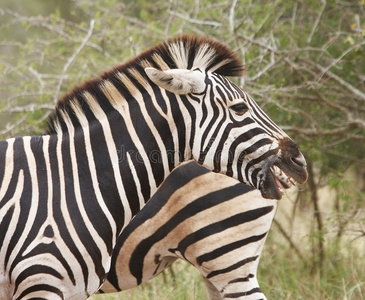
x: 232, y: 135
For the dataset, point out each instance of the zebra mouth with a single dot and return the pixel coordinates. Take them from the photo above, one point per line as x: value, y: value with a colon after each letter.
x: 283, y: 172
x: 276, y: 182
x: 282, y: 179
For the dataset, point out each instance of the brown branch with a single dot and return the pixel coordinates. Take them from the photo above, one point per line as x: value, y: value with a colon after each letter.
x: 319, y: 132
x: 291, y: 243
x: 317, y: 215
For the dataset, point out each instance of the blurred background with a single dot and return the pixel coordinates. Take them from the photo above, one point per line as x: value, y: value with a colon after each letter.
x: 305, y: 64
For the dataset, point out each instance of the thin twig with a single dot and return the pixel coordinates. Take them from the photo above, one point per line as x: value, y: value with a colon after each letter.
x: 195, y: 21
x: 231, y: 15
x: 72, y: 58
x: 11, y: 127
x: 323, y: 132
x: 334, y: 62
x: 315, y: 25
x: 339, y: 80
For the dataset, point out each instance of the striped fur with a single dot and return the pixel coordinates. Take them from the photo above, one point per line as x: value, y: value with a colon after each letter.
x: 65, y: 196
x: 213, y: 222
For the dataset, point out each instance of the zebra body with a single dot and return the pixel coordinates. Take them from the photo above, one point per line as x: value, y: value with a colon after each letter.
x: 66, y: 196
x: 211, y: 221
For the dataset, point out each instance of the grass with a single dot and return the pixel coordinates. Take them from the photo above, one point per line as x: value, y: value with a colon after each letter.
x: 185, y: 283
x: 282, y: 275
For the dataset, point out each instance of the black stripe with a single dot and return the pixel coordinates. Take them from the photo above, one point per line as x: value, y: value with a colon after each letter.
x: 3, y: 148
x: 242, y: 279
x: 228, y: 248
x: 36, y: 269
x: 40, y: 287
x: 242, y: 294
x: 233, y: 267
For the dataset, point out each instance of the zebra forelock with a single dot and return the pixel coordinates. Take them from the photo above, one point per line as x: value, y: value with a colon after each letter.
x: 182, y: 52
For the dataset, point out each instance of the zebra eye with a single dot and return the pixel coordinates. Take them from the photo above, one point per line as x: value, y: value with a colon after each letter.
x: 239, y: 108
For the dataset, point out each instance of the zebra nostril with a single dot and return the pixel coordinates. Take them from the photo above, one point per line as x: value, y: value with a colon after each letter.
x: 299, y: 160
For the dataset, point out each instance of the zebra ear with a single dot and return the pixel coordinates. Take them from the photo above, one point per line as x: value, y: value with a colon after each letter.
x: 178, y: 81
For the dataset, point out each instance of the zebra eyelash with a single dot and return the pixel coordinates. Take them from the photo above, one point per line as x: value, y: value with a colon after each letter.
x: 239, y: 108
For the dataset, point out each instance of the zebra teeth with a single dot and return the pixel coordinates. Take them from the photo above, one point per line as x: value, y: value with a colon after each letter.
x: 292, y: 180
x: 283, y: 180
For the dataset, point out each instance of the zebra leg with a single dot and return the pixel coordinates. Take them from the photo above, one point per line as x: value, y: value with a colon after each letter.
x: 213, y: 293
x: 240, y: 288
x: 243, y: 290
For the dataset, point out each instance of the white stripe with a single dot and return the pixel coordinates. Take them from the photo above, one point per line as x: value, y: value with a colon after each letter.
x: 9, y: 167
x: 13, y: 224
x: 137, y: 182
x: 33, y: 198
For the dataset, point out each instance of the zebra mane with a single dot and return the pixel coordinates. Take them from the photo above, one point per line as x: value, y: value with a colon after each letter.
x: 96, y: 96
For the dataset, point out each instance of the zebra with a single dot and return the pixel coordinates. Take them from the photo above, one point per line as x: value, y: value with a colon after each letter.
x: 66, y: 195
x: 213, y: 222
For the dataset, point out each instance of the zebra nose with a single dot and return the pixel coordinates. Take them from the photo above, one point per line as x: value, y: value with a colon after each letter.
x: 299, y: 160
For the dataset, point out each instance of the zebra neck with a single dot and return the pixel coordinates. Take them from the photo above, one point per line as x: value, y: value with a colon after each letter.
x: 150, y: 144
x: 132, y: 151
